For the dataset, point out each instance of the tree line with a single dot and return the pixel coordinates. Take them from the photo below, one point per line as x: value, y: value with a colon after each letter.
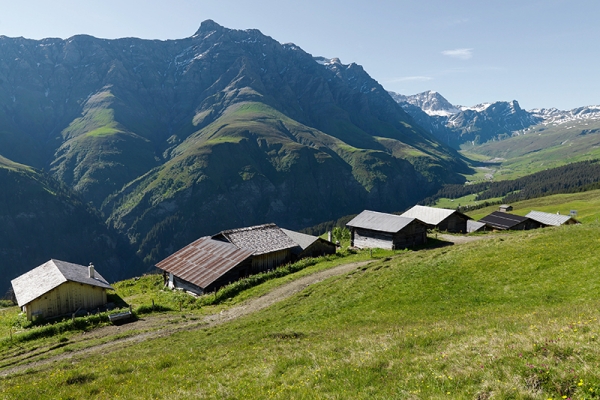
x: 571, y: 178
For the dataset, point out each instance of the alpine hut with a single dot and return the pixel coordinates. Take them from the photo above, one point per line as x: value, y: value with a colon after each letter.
x: 549, y: 219
x: 214, y: 261
x: 439, y: 218
x: 500, y: 220
x: 372, y: 229
x: 57, y: 288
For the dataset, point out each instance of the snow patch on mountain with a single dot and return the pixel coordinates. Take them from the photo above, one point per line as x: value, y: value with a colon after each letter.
x: 554, y: 116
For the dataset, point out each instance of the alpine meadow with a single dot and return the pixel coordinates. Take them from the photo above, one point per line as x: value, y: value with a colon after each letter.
x: 224, y: 216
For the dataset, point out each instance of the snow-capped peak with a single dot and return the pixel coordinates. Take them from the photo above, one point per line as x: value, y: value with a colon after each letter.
x: 432, y: 103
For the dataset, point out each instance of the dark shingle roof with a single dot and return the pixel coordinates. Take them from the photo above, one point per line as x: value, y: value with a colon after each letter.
x: 502, y: 220
x: 261, y: 239
x: 50, y: 275
x: 377, y: 221
x: 204, y: 261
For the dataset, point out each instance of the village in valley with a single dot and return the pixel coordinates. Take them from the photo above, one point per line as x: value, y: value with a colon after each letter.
x: 62, y: 289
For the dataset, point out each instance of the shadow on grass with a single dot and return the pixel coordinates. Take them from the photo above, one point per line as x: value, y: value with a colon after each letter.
x: 117, y: 300
x: 434, y: 243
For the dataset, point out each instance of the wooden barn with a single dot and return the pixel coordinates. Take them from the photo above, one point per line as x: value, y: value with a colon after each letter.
x: 206, y: 265
x: 58, y: 288
x: 309, y: 246
x: 444, y: 219
x: 212, y: 262
x: 371, y: 229
x: 548, y: 219
x: 500, y: 220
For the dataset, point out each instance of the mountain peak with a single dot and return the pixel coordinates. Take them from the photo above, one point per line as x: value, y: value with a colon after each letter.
x: 208, y: 26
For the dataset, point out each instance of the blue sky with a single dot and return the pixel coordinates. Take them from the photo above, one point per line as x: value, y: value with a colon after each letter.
x: 540, y: 53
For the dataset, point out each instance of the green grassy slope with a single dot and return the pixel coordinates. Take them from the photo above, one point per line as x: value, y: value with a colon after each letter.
x: 541, y: 148
x: 510, y: 316
x: 587, y: 205
x: 277, y: 170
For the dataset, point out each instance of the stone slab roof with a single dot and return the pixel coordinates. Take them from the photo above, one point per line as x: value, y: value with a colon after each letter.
x: 261, y: 239
x: 51, y: 274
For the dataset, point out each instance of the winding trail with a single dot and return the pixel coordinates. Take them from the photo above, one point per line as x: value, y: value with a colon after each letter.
x: 164, y: 325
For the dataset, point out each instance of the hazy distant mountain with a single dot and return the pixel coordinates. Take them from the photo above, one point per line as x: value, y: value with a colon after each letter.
x: 174, y: 139
x: 455, y: 125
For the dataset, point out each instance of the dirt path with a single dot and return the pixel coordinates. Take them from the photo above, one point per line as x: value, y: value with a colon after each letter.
x: 165, y: 325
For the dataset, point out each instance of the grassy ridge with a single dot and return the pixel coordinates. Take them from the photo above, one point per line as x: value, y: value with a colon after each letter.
x: 587, y: 205
x: 541, y: 148
x: 513, y: 316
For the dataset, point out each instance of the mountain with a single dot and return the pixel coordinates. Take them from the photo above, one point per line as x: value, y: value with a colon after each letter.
x: 171, y: 140
x: 430, y: 102
x: 42, y: 219
x: 456, y: 125
x: 553, y: 116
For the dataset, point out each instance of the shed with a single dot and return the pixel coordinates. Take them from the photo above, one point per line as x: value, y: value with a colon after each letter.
x: 205, y: 265
x: 505, y: 221
x: 58, y: 288
x: 270, y: 246
x: 441, y: 218
x: 505, y: 208
x: 308, y: 245
x: 372, y: 229
x: 475, y: 226
x: 549, y: 219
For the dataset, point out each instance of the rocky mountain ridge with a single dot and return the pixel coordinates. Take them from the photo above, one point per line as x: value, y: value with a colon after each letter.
x: 171, y: 140
x: 456, y: 125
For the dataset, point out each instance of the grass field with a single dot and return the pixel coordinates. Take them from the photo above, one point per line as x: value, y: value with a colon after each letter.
x: 587, y: 205
x: 543, y: 147
x: 508, y: 316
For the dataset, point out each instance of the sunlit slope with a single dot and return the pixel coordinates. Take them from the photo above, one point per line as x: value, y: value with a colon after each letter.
x: 511, y: 316
x: 540, y: 148
x: 255, y: 165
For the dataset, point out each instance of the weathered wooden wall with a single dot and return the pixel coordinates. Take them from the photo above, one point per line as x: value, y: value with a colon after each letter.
x: 411, y: 235
x: 265, y: 262
x: 414, y: 234
x: 365, y: 239
x: 454, y: 223
x: 65, y: 299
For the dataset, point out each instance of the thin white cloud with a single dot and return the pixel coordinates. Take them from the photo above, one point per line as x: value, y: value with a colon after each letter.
x: 463, y: 54
x: 412, y: 79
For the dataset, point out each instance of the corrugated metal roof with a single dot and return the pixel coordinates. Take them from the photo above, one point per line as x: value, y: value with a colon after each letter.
x: 502, y: 220
x: 474, y: 226
x: 430, y: 215
x: 261, y: 239
x: 549, y: 219
x: 50, y: 275
x: 204, y: 261
x: 378, y: 221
